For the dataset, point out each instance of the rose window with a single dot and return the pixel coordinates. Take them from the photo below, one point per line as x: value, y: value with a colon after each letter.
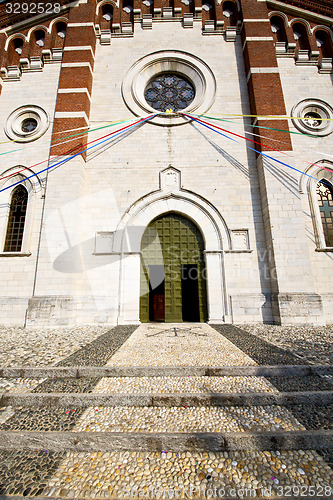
x: 169, y: 92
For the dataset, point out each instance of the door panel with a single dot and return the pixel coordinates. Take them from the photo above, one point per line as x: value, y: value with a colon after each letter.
x: 158, y: 308
x: 173, y: 241
x: 190, y: 292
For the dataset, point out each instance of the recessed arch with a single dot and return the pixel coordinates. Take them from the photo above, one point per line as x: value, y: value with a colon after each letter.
x: 57, y: 20
x: 278, y: 13
x: 39, y: 27
x: 12, y: 37
x: 21, y: 173
x: 212, y: 225
x: 127, y: 242
x: 305, y: 23
x: 323, y: 28
x: 106, y: 2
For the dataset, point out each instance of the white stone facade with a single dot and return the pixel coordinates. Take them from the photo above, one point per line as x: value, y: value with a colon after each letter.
x: 80, y: 259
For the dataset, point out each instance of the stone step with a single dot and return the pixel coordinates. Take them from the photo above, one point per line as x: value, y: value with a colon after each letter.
x: 159, y: 385
x: 84, y: 400
x: 166, y: 371
x: 172, y: 441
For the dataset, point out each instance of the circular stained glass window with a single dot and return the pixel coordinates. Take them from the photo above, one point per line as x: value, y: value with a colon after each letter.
x: 169, y: 92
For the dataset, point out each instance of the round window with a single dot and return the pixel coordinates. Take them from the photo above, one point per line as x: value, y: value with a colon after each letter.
x: 169, y: 92
x: 27, y: 123
x: 169, y: 80
x: 313, y: 116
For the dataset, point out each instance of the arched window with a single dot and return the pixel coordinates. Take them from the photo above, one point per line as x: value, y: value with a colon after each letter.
x: 325, y: 201
x: 39, y: 38
x: 107, y: 16
x: 15, y: 51
x: 324, y: 43
x: 15, y: 228
x: 61, y: 29
x: 278, y: 27
x: 229, y: 11
x: 301, y: 36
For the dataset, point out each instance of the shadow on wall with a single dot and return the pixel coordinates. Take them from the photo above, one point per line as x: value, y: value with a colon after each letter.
x: 230, y: 159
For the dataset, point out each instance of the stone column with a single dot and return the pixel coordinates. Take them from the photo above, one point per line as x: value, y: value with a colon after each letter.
x: 217, y: 300
x: 129, y: 288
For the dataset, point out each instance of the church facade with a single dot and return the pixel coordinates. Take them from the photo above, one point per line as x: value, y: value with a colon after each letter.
x: 166, y: 160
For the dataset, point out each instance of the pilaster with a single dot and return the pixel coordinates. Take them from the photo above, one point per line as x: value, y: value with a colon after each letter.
x: 293, y: 291
x: 76, y: 77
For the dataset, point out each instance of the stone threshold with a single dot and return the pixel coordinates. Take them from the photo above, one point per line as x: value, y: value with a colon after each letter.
x: 85, y: 400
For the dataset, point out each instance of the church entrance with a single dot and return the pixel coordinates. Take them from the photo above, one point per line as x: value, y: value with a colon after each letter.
x: 173, y: 281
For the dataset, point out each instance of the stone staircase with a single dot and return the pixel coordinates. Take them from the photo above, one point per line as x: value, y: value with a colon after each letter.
x: 111, y: 430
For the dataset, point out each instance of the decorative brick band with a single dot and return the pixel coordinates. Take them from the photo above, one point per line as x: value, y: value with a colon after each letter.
x: 75, y: 82
x: 263, y: 78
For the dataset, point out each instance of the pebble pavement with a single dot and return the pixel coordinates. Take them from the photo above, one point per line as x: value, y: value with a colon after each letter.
x: 193, y: 385
x: 13, y: 385
x: 127, y: 474
x: 49, y: 346
x: 43, y: 346
x: 187, y: 419
x: 178, y: 345
x: 312, y: 344
x: 191, y: 475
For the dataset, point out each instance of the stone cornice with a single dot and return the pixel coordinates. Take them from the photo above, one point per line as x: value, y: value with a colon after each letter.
x: 13, y: 22
x: 301, y: 10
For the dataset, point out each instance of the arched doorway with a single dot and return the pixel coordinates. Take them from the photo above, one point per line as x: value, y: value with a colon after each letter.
x: 173, y: 271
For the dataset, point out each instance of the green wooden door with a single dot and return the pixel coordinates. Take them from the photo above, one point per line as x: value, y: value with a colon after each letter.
x: 172, y: 240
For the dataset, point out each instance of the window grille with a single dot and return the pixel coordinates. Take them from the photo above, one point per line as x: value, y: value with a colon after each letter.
x: 15, y: 228
x: 169, y: 92
x: 325, y: 201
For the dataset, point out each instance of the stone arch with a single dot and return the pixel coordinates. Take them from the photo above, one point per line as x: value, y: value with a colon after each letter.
x: 39, y: 27
x: 278, y: 13
x: 57, y: 20
x: 127, y: 242
x: 324, y: 40
x: 300, y: 20
x: 322, y: 27
x: 15, y: 174
x: 106, y: 2
x: 13, y: 37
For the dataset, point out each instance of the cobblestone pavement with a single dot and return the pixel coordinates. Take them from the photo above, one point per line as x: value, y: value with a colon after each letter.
x: 193, y: 385
x: 187, y: 419
x: 178, y: 345
x: 263, y: 352
x: 189, y: 475
x: 131, y: 474
x: 312, y: 344
x: 43, y: 346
